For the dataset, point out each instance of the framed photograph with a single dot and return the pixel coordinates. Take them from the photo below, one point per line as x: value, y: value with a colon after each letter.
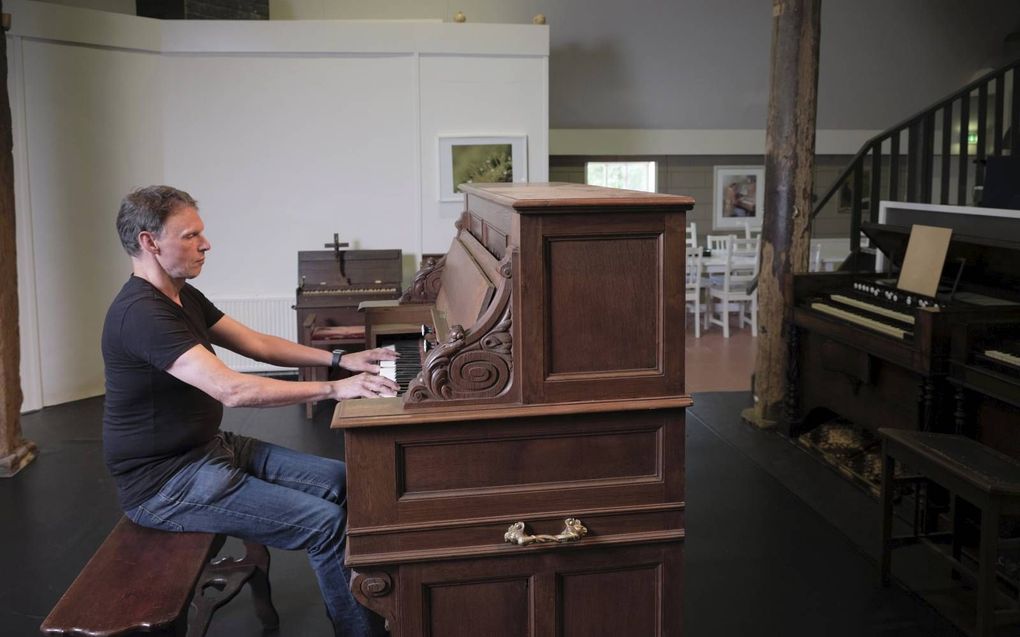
x: 739, y: 196
x: 480, y: 159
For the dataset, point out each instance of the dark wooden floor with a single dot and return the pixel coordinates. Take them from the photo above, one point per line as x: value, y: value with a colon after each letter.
x: 777, y: 543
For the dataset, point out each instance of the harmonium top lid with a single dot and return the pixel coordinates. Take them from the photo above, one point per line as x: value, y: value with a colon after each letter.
x: 324, y: 269
x: 554, y: 197
x: 987, y: 263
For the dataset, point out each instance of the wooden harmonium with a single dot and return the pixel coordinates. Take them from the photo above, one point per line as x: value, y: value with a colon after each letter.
x: 326, y: 277
x: 978, y: 275
x: 877, y: 354
x: 331, y: 285
x: 531, y: 479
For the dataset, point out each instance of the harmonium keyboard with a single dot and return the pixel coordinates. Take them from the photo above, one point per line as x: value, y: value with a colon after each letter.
x: 332, y: 283
x: 985, y: 371
x: 864, y: 350
x: 527, y: 481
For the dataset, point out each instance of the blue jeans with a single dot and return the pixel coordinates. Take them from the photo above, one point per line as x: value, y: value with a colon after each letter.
x: 257, y: 491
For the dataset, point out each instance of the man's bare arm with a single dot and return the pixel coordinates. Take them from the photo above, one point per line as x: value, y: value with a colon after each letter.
x: 266, y: 348
x: 200, y: 368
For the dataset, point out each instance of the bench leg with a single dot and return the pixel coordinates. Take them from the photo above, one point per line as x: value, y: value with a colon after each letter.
x: 223, y: 578
x: 888, y: 468
x: 956, y: 519
x: 989, y: 551
x: 261, y: 592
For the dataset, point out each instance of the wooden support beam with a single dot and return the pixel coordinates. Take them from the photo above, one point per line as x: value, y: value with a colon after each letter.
x: 789, y: 164
x: 15, y: 451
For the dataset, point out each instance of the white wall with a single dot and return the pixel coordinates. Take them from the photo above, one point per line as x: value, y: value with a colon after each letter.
x: 283, y: 152
x: 499, y: 104
x: 87, y: 128
x: 286, y: 132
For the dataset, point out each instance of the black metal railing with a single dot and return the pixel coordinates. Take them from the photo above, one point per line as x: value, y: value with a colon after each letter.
x: 936, y: 156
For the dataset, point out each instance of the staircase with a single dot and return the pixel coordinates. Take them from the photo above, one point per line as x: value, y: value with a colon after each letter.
x: 930, y: 157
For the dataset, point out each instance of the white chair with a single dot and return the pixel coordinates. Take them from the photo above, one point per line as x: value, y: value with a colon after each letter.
x: 718, y: 245
x: 718, y: 242
x: 749, y: 232
x: 693, y: 297
x: 692, y: 236
x: 733, y: 290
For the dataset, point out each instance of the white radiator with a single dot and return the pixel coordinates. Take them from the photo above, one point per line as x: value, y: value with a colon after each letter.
x: 271, y: 315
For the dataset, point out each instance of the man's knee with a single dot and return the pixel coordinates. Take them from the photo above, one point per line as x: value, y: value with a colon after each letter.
x: 337, y: 476
x: 332, y: 530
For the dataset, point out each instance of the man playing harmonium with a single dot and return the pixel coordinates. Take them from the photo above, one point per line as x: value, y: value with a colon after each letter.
x: 174, y: 468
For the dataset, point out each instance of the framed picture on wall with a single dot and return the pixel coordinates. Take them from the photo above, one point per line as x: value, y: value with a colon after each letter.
x: 480, y: 159
x: 739, y: 195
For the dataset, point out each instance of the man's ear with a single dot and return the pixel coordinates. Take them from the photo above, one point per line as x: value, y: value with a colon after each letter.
x: 148, y: 242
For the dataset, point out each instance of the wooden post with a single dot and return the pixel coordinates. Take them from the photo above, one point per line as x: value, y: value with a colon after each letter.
x: 789, y: 164
x: 15, y: 451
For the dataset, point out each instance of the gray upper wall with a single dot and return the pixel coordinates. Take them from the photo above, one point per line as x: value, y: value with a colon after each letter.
x: 704, y: 64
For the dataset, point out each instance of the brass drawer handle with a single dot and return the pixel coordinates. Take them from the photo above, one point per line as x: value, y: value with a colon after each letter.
x: 573, y: 530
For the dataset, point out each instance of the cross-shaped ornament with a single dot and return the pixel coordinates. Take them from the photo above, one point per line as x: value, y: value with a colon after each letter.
x: 339, y: 254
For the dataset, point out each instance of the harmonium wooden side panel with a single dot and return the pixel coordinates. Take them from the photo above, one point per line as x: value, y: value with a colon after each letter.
x: 427, y: 532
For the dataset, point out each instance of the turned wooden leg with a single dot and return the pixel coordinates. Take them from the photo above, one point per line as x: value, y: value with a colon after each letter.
x: 888, y: 470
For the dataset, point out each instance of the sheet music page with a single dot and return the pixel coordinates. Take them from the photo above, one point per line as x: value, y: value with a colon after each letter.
x: 926, y: 254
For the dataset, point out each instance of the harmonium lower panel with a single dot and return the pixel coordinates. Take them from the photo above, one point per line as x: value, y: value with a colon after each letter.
x: 546, y: 466
x: 856, y: 384
x: 543, y: 591
x: 540, y: 523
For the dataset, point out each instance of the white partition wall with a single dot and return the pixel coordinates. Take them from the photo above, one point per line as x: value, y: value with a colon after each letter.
x: 499, y: 105
x: 286, y: 132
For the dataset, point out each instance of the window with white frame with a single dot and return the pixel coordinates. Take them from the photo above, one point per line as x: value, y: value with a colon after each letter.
x: 632, y: 175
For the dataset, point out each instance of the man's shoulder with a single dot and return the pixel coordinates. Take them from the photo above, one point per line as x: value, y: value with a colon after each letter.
x: 135, y: 300
x: 135, y: 290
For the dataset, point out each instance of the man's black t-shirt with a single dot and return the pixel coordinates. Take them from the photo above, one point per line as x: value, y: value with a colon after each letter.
x: 153, y: 424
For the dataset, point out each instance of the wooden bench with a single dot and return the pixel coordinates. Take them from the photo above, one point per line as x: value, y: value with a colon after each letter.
x: 142, y: 580
x: 969, y: 470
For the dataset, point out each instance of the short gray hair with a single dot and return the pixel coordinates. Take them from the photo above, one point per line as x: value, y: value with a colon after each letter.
x: 146, y: 210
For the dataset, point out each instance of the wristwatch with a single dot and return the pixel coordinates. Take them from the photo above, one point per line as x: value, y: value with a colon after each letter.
x: 337, y: 355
